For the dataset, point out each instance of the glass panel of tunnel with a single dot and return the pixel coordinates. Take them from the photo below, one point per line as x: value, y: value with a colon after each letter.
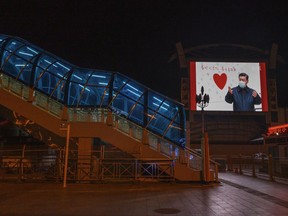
x: 119, y: 101
x: 9, y: 61
x: 175, y: 134
x: 137, y: 112
x: 100, y: 81
x: 158, y: 112
x: 24, y: 58
x: 51, y: 77
x: 129, y: 99
x: 176, y: 131
x: 83, y: 91
x: 158, y: 122
x: 134, y: 106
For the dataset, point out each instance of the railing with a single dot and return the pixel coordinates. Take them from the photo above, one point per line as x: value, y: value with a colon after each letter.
x: 195, y: 161
x: 29, y: 165
x: 271, y: 168
x: 48, y: 165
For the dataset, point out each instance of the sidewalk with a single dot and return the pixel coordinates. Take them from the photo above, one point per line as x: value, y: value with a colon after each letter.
x: 234, y: 195
x: 274, y: 189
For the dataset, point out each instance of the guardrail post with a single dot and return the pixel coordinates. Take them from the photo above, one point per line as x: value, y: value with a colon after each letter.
x: 145, y: 140
x: 253, y: 166
x: 31, y: 96
x: 58, y: 170
x: 270, y: 168
x: 173, y: 155
x: 229, y: 162
x: 21, y: 163
x: 22, y: 91
x: 64, y: 116
x: 240, y: 164
x: 158, y: 147
x: 216, y: 173
x: 136, y: 169
x: 109, y: 119
x: 21, y: 169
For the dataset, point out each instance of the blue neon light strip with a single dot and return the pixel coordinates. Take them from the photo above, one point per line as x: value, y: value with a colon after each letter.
x: 77, y: 77
x: 99, y: 76
x: 27, y: 54
x: 161, y: 101
x: 62, y: 66
x: 133, y: 92
x: 160, y: 107
x: 32, y: 50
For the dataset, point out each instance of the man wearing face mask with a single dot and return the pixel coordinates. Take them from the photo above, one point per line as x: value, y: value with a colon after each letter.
x: 242, y: 97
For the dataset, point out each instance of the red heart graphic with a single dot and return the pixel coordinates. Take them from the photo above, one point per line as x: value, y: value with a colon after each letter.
x: 220, y: 80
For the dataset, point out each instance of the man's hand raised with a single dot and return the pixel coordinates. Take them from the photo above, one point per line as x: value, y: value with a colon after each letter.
x: 230, y: 90
x: 254, y: 94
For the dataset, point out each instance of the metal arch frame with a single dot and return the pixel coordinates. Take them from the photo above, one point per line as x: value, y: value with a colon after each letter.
x: 118, y: 92
x: 155, y: 112
x: 110, y: 88
x: 42, y: 73
x: 11, y: 54
x: 83, y: 89
x: 46, y: 70
x: 60, y: 81
x: 135, y: 101
x: 245, y: 47
x: 28, y: 62
x: 86, y: 83
x: 171, y: 122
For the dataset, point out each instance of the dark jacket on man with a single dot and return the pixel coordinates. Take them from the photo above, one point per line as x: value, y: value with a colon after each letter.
x: 242, y: 99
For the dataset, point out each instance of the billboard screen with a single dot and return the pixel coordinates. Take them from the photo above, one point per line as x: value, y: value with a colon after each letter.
x: 227, y: 90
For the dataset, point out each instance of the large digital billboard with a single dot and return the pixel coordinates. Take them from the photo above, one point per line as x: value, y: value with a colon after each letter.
x: 227, y: 90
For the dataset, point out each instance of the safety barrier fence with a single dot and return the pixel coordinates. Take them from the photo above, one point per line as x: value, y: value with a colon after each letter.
x: 268, y: 167
x: 48, y: 165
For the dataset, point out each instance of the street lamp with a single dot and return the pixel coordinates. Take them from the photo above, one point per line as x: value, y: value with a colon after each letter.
x: 202, y: 101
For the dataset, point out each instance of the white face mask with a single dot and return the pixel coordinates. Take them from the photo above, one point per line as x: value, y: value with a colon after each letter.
x: 242, y: 84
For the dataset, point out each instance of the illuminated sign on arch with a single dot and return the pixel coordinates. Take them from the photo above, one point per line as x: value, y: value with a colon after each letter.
x: 278, y: 130
x: 216, y: 77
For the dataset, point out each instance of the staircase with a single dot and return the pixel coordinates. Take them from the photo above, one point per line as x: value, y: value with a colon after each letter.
x: 44, y: 116
x: 48, y: 113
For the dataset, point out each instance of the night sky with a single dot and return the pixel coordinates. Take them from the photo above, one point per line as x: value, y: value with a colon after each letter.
x: 137, y: 38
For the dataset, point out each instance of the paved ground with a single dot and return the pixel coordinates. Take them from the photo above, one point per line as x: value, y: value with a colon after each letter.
x: 235, y: 195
